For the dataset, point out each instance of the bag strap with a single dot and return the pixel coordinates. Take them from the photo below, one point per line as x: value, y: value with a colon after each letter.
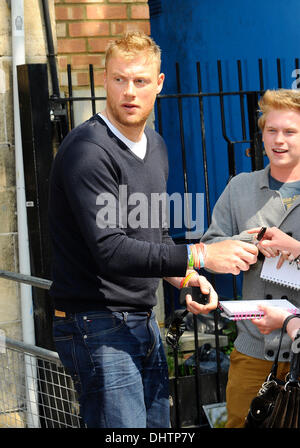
x: 295, y: 368
x: 283, y: 330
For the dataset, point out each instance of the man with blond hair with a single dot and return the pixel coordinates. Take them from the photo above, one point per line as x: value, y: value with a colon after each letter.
x: 107, y: 260
x: 269, y: 197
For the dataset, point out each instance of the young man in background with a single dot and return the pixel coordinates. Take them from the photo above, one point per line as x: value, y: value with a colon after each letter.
x: 269, y: 197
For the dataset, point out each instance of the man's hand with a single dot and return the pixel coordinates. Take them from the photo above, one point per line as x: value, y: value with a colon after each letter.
x: 206, y: 288
x: 230, y: 256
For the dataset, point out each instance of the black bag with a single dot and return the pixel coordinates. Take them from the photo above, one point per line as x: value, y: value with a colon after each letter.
x: 277, y: 404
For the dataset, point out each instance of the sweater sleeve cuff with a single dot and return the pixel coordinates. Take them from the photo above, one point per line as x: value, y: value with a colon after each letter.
x: 175, y: 261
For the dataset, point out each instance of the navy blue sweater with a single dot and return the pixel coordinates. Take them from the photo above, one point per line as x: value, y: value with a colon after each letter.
x: 115, y: 267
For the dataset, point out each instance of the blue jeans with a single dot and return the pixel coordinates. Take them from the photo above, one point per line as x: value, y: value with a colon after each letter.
x: 118, y: 366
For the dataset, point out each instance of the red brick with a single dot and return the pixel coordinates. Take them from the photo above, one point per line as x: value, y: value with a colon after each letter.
x: 61, y: 12
x: 106, y: 12
x: 80, y: 29
x: 69, y: 12
x: 83, y: 61
x: 122, y: 27
x: 99, y: 78
x: 140, y: 12
x: 76, y: 12
x: 98, y: 45
x: 82, y: 78
x: 71, y: 46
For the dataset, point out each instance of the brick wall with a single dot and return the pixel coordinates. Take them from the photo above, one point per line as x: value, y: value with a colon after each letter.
x: 84, y: 28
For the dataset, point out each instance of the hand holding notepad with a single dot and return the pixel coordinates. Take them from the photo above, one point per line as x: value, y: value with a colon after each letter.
x: 249, y: 309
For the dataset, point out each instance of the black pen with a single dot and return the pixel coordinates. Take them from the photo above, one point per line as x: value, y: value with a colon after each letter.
x: 261, y: 234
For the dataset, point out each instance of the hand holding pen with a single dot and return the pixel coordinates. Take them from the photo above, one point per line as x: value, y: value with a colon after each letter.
x: 260, y: 235
x: 258, y: 240
x: 273, y: 241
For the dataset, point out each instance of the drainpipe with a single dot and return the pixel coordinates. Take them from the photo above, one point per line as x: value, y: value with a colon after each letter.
x: 18, y: 58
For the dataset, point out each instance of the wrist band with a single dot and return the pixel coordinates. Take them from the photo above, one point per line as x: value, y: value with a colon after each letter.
x: 203, y: 254
x: 186, y: 279
x: 200, y: 250
x: 190, y: 257
x: 201, y: 259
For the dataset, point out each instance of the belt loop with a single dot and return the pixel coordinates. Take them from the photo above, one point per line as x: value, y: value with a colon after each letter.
x: 125, y: 315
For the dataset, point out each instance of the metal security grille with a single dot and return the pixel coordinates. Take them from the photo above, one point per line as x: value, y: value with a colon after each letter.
x: 213, y: 106
x: 35, y: 391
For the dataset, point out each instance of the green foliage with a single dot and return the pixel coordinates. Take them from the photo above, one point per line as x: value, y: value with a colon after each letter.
x: 231, y: 332
x: 183, y: 370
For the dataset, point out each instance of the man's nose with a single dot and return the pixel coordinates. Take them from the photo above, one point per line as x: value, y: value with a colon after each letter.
x: 129, y: 89
x: 279, y: 138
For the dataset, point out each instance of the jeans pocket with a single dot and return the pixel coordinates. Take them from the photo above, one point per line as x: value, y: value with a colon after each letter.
x: 101, y: 324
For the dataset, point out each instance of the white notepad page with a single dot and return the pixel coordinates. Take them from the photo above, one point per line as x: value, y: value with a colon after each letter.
x: 288, y: 275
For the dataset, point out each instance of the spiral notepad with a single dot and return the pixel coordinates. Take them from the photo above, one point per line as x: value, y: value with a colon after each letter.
x: 288, y: 275
x: 248, y: 309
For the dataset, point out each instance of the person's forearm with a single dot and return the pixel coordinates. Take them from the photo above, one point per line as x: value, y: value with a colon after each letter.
x: 174, y: 281
x: 292, y: 327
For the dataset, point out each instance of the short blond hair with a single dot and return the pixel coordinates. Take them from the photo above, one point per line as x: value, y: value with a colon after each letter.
x: 277, y: 99
x: 132, y: 44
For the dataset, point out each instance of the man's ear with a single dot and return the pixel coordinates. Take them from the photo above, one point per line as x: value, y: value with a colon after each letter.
x: 160, y: 82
